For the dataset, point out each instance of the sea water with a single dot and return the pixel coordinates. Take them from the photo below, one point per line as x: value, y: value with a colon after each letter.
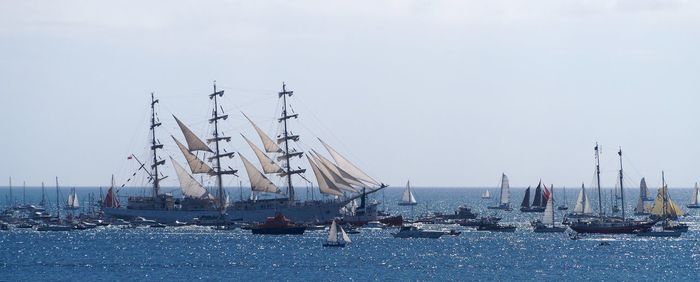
x: 198, y: 253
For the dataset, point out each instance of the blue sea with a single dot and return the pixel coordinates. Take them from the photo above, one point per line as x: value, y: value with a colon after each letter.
x: 197, y: 253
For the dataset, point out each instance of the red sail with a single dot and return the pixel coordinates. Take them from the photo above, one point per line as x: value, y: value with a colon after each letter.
x: 111, y: 200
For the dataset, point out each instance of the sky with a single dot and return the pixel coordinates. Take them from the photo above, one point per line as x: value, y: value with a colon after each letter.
x: 444, y: 93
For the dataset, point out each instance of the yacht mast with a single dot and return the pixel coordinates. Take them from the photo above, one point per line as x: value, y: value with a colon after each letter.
x: 216, y: 138
x: 286, y: 137
x: 622, y: 190
x: 597, y: 175
x: 154, y: 148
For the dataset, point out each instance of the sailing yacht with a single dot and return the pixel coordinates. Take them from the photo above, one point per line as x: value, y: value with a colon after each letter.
x: 602, y: 223
x: 664, y: 207
x: 563, y: 206
x: 539, y: 201
x: 644, y: 191
x: 73, y: 202
x: 407, y: 199
x: 547, y: 223
x: 333, y: 240
x: 504, y: 195
x: 486, y: 195
x: 695, y: 198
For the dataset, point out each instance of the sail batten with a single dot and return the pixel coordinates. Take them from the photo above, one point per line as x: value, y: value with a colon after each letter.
x: 193, y: 142
x: 258, y: 181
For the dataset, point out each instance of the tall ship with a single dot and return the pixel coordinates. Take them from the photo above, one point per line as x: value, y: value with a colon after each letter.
x: 339, y: 181
x: 608, y: 224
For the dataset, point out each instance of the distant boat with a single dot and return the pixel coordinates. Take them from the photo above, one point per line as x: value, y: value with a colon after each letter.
x: 695, y: 199
x: 538, y: 202
x: 73, y: 202
x: 408, y: 199
x: 416, y: 231
x: 333, y: 240
x: 486, y: 195
x: 583, y: 205
x: 547, y: 223
x: 278, y: 225
x: 504, y: 196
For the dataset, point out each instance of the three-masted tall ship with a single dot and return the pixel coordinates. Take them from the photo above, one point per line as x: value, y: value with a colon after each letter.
x: 609, y: 224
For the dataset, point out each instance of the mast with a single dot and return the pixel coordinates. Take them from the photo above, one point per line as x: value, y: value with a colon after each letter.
x: 154, y: 148
x: 58, y: 208
x: 216, y: 138
x: 43, y: 195
x: 24, y: 192
x: 597, y: 175
x: 12, y: 199
x: 286, y: 137
x: 664, y: 192
x: 622, y: 190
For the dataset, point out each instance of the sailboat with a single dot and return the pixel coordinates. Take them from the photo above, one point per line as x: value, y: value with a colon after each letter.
x: 602, y: 223
x: 664, y: 207
x: 333, y: 240
x: 695, y: 198
x: 539, y: 201
x: 60, y: 225
x: 407, y: 199
x: 583, y: 205
x: 486, y: 195
x: 563, y: 206
x: 73, y: 202
x: 504, y: 196
x: 547, y: 223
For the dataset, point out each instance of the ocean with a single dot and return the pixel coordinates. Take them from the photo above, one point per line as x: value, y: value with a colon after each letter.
x: 197, y: 253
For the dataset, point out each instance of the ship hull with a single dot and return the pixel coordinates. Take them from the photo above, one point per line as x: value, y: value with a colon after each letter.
x: 615, y: 228
x: 279, y: 231
x: 163, y: 216
x: 300, y: 212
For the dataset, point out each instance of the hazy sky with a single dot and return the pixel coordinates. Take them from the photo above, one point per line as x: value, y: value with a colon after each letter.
x: 446, y: 93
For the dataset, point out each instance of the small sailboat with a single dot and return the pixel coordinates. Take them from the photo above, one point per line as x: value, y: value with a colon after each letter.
x: 644, y: 191
x: 664, y: 207
x: 583, y: 205
x: 547, y: 223
x: 504, y: 196
x: 695, y: 199
x: 563, y: 207
x: 486, y: 195
x: 408, y: 199
x: 333, y: 240
x: 538, y: 202
x: 73, y: 202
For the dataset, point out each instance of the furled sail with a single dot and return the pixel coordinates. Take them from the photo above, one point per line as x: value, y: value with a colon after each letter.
x: 583, y: 205
x: 269, y: 145
x: 671, y: 209
x: 193, y: 142
x: 348, y: 166
x: 339, y: 171
x: 258, y: 181
x: 505, y: 189
x: 267, y: 164
x: 548, y: 218
x: 333, y: 176
x: 189, y: 186
x: 333, y: 233
x: 324, y: 183
x: 196, y: 165
x: 407, y: 196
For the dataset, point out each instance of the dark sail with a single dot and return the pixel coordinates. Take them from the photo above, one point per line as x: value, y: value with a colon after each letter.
x: 537, y: 201
x: 526, y: 199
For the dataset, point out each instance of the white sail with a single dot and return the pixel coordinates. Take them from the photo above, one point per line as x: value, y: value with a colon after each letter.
x: 73, y: 201
x: 583, y: 206
x: 325, y: 185
x: 349, y: 167
x: 269, y: 145
x: 352, y: 181
x: 407, y: 196
x: 640, y: 208
x: 196, y: 165
x: 345, y: 236
x: 486, y: 194
x: 333, y: 176
x: 267, y: 164
x: 548, y: 217
x: 333, y: 233
x: 505, y: 189
x: 696, y: 195
x: 189, y: 186
x: 258, y: 181
x: 193, y: 142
